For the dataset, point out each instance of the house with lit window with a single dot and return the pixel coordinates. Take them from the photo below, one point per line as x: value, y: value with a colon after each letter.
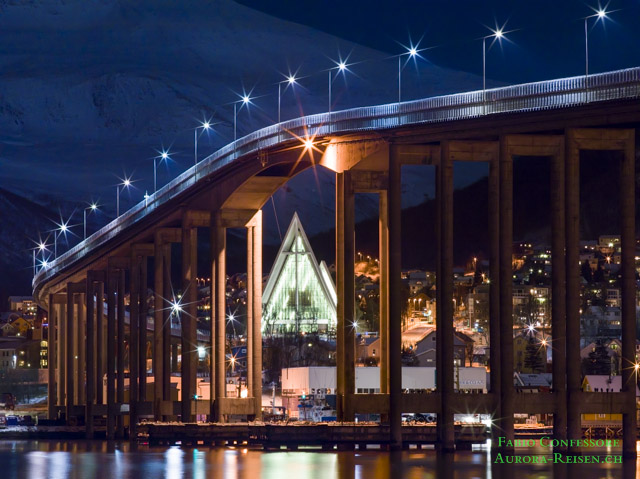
x: 300, y: 296
x: 9, y: 354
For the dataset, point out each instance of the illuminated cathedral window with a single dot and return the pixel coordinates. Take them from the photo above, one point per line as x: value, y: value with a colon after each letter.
x: 300, y: 296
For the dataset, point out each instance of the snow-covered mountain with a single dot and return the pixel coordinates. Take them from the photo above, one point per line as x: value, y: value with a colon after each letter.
x: 91, y: 89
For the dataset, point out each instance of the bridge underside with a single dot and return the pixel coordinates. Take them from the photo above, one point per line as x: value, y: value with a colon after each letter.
x: 85, y: 348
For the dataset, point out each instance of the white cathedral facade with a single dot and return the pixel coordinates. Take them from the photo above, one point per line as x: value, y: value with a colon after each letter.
x: 300, y: 296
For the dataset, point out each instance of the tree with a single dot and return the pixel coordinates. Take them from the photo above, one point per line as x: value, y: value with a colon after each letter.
x: 532, y: 359
x: 477, y: 277
x: 586, y: 272
x: 598, y: 276
x: 598, y: 361
x: 370, y: 307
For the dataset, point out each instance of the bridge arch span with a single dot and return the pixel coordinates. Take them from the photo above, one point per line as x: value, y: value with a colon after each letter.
x: 366, y: 148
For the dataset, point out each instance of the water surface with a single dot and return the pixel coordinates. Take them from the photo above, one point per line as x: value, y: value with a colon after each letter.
x: 91, y: 459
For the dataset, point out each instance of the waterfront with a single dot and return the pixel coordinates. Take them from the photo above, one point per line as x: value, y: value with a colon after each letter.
x: 89, y: 459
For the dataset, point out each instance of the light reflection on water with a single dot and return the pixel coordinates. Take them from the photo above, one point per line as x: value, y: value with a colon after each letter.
x: 79, y: 460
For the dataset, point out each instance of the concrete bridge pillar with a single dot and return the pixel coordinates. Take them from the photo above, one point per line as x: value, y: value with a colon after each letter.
x: 507, y: 394
x: 135, y: 279
x: 628, y: 293
x: 110, y: 288
x: 159, y: 305
x: 113, y: 328
x: 91, y: 355
x: 81, y: 345
x: 52, y: 345
x: 572, y: 218
x: 167, y: 313
x: 76, y: 349
x: 383, y: 248
x: 116, y: 365
x: 61, y: 355
x: 93, y: 287
x: 444, y: 328
x: 144, y: 251
x: 218, y: 313
x: 558, y: 292
x: 115, y: 369
x: 70, y: 350
x: 254, y: 311
x: 345, y: 282
x: 395, y: 298
x: 189, y: 317
x: 101, y: 343
x: 495, y: 364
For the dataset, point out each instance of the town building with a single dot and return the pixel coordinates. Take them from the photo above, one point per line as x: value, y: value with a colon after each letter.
x: 425, y: 349
x: 23, y: 304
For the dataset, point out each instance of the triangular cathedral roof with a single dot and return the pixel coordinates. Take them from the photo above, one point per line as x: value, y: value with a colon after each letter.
x: 321, y: 271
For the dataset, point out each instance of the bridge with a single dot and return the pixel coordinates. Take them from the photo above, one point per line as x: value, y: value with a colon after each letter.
x: 366, y: 148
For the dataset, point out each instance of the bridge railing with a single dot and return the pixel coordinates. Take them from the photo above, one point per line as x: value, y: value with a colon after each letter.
x: 544, y: 95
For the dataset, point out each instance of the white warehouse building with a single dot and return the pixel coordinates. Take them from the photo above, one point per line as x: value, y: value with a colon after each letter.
x: 320, y: 381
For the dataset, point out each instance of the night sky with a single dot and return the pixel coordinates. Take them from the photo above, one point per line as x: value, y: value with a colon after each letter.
x: 548, y: 41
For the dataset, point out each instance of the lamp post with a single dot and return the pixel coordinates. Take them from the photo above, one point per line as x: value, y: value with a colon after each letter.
x: 341, y: 67
x: 92, y: 207
x: 498, y: 34
x: 164, y: 156
x: 245, y: 100
x: 231, y: 319
x: 41, y: 247
x: 290, y: 81
x: 412, y: 52
x: 125, y: 184
x: 600, y: 14
x: 205, y: 126
x: 62, y: 229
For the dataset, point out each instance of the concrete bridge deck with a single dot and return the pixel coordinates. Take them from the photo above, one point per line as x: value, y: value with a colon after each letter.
x: 366, y: 149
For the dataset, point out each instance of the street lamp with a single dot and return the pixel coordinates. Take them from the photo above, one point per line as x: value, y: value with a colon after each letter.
x: 411, y: 52
x: 244, y: 100
x: 62, y: 228
x: 231, y: 319
x: 600, y: 14
x: 290, y: 81
x: 41, y: 248
x: 497, y: 34
x: 125, y: 184
x: 205, y: 126
x: 341, y: 67
x: 92, y: 207
x: 164, y: 156
x: 176, y: 307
